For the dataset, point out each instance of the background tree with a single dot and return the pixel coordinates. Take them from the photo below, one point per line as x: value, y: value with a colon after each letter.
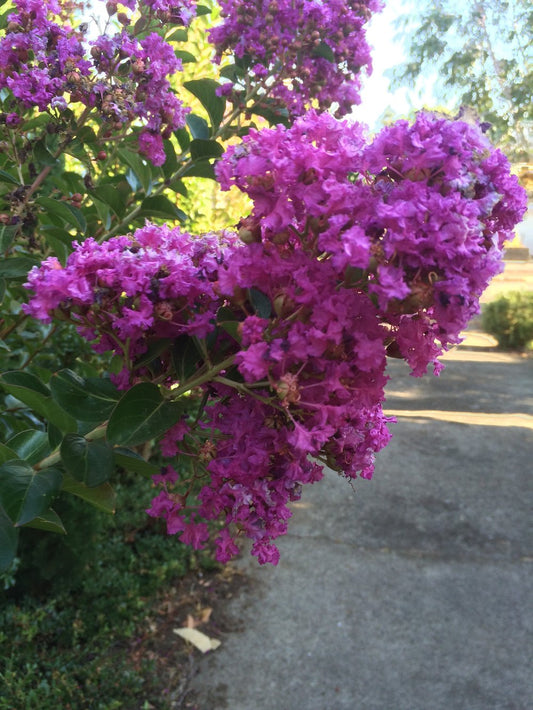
x: 481, y: 50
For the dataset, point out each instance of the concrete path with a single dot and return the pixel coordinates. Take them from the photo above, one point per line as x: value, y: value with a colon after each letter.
x: 412, y: 591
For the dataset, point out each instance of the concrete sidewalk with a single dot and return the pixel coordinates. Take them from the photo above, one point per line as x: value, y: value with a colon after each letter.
x: 412, y: 591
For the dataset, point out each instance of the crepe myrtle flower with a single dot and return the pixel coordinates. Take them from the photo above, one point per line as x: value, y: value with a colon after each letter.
x: 313, y: 51
x: 40, y: 59
x: 416, y: 217
x: 43, y: 59
x: 157, y: 283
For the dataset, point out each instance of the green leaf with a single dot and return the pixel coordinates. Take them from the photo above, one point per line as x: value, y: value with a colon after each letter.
x: 52, y: 141
x: 185, y: 357
x: 232, y: 72
x: 103, y: 211
x: 205, y: 149
x: 109, y: 195
x: 77, y: 149
x: 49, y: 521
x: 139, y: 166
x: 273, y: 116
x: 183, y: 137
x: 55, y: 436
x: 131, y: 461
x: 198, y: 127
x: 63, y: 210
x: 161, y: 206
x: 180, y: 35
x: 42, y: 155
x: 133, y: 180
x: 179, y: 187
x: 202, y: 10
x: 225, y: 313
x: 186, y: 57
x: 102, y: 497
x: 25, y: 493
x: 86, y: 399
x: 205, y: 92
x: 8, y: 232
x: 70, y: 182
x: 90, y: 462
x: 60, y: 241
x: 7, y: 177
x: 244, y: 62
x: 142, y: 414
x: 170, y: 165
x: 260, y: 302
x: 324, y: 50
x: 9, y: 537
x: 38, y: 121
x: 87, y: 135
x: 16, y: 267
x: 24, y: 379
x: 31, y: 445
x: 155, y: 348
x: 29, y: 389
x: 6, y: 454
x: 140, y: 25
x: 232, y: 328
x: 201, y: 168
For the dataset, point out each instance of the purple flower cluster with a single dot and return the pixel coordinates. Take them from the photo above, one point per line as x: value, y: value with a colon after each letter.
x: 173, y: 10
x: 124, y: 78
x: 416, y: 218
x: 131, y: 290
x: 314, y: 50
x: 176, y: 11
x: 141, y: 90
x: 40, y: 59
x: 315, y: 370
x: 353, y: 251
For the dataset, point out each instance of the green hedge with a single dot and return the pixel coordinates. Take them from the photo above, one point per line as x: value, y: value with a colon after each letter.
x: 510, y: 320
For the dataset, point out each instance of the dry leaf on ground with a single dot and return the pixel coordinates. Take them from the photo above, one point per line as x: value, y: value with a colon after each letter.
x: 198, y: 639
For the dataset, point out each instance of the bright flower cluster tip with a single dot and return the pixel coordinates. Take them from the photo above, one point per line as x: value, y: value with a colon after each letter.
x: 315, y: 50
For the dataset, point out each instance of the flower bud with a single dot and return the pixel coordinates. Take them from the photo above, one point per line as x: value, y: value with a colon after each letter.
x: 283, y: 305
x: 248, y: 237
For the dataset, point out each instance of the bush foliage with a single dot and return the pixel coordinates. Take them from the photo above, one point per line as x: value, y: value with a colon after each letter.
x: 78, y: 602
x: 509, y: 319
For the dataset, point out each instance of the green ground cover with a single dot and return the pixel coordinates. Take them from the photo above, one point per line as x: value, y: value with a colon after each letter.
x: 73, y: 613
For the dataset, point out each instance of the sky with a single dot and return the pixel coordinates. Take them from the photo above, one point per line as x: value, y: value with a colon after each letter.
x: 388, y: 52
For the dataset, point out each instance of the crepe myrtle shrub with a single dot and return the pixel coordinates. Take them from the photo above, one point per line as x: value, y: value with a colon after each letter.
x: 231, y: 367
x: 353, y: 250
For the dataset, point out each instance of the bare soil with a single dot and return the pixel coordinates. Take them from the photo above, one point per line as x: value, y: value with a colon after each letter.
x: 199, y: 601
